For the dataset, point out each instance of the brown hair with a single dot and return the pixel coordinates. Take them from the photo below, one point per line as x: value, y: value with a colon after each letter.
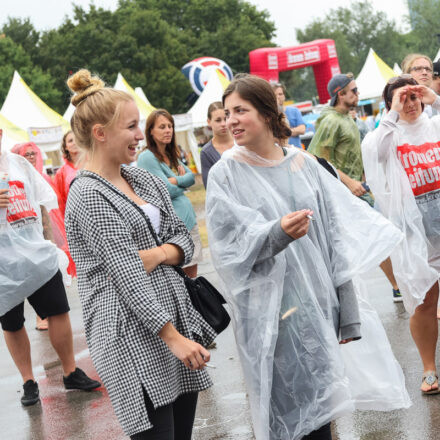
x: 64, y: 150
x: 171, y: 149
x: 95, y: 104
x: 260, y: 94
x: 217, y: 105
x: 408, y: 61
x: 388, y: 91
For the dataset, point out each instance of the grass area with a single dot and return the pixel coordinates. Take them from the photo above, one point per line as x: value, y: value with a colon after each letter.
x: 197, y: 195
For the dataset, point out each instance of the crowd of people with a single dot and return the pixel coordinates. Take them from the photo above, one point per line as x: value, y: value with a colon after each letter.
x: 291, y: 234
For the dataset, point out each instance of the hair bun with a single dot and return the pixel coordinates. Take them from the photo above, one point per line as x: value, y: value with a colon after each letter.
x: 83, y: 84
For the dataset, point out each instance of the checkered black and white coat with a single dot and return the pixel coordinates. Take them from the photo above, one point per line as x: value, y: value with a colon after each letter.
x: 124, y: 307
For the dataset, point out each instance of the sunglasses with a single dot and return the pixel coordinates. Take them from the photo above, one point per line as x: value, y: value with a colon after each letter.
x: 395, y: 78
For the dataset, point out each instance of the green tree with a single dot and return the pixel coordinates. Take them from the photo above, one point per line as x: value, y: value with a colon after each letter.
x: 22, y: 32
x: 14, y: 57
x: 354, y: 29
x: 148, y: 41
x: 425, y: 19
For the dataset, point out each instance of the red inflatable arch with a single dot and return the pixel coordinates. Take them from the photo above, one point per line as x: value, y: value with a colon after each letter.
x: 268, y: 62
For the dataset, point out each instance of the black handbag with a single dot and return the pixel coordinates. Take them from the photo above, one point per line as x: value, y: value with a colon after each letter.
x: 205, y: 298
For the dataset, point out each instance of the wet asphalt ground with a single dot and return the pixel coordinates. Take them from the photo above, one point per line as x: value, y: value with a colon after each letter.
x: 223, y: 410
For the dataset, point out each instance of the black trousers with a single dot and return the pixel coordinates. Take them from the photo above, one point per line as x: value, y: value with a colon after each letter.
x: 323, y: 433
x: 170, y: 422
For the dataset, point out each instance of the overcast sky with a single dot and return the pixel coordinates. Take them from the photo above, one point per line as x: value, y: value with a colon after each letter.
x: 287, y: 14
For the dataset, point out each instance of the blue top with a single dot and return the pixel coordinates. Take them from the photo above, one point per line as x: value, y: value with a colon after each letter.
x: 182, y: 205
x: 295, y: 118
x: 208, y: 156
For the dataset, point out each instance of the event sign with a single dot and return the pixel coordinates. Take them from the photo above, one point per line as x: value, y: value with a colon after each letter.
x: 45, y: 135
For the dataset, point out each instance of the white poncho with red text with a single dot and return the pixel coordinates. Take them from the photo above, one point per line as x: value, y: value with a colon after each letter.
x: 28, y: 261
x: 402, y: 167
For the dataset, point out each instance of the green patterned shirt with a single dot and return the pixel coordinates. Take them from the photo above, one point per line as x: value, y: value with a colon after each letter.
x: 337, y: 140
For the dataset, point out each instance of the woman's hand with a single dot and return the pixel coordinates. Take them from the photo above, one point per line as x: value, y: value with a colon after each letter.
x: 4, y: 198
x: 181, y: 170
x: 346, y: 341
x: 425, y: 94
x: 172, y: 180
x: 192, y: 354
x: 296, y: 224
x: 399, y: 98
x: 151, y: 258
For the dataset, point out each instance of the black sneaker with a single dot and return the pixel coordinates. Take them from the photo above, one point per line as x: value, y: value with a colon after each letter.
x: 78, y: 380
x: 397, y: 296
x: 31, y: 394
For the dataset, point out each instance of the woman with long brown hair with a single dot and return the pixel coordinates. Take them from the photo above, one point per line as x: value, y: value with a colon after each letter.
x: 287, y: 239
x: 161, y: 157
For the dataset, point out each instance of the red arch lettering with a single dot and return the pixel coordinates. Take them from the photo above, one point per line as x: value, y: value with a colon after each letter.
x: 268, y: 62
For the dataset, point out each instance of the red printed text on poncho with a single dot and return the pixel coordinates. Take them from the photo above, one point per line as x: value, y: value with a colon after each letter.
x: 422, y: 166
x: 20, y: 211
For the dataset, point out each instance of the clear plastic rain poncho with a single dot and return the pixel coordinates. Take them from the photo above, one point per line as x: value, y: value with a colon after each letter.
x: 27, y: 260
x: 407, y: 192
x: 293, y: 367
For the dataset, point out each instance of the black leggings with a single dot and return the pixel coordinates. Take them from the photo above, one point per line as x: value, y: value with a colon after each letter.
x: 323, y: 433
x: 170, y: 422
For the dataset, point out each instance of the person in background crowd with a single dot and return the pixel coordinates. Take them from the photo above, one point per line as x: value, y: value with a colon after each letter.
x: 293, y: 115
x: 161, y: 158
x: 401, y: 164
x: 420, y: 67
x: 39, y: 279
x: 287, y: 239
x: 361, y: 125
x: 436, y: 77
x: 32, y: 153
x: 220, y: 142
x: 337, y: 140
x: 140, y: 324
x: 67, y: 172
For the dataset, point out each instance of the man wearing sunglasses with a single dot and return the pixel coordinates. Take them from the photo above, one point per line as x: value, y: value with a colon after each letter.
x: 337, y: 136
x: 337, y: 139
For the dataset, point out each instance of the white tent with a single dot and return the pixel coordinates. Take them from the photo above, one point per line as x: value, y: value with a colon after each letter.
x: 373, y: 77
x: 69, y: 112
x: 186, y: 139
x: 213, y: 92
x: 144, y: 106
x: 397, y: 69
x: 11, y: 134
x: 437, y: 57
x: 24, y: 109
x: 141, y: 94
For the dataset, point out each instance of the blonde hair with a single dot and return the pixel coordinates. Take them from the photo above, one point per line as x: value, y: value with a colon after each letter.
x: 95, y: 104
x: 408, y: 61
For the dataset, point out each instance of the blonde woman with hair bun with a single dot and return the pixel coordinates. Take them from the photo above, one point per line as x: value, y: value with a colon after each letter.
x: 145, y: 338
